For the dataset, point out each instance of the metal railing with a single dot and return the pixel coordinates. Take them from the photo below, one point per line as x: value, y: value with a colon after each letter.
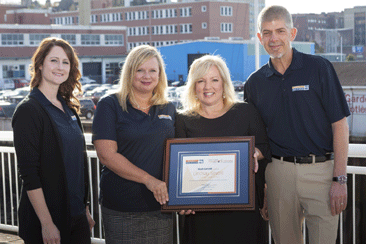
x: 10, y: 188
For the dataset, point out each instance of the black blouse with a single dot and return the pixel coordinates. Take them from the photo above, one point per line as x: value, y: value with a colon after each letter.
x: 241, y: 120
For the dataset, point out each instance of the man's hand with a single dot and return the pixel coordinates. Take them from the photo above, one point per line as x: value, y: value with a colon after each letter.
x: 264, y: 211
x: 90, y: 219
x: 338, y: 198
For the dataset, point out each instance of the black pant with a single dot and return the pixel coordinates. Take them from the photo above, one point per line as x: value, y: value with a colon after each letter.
x: 80, y: 232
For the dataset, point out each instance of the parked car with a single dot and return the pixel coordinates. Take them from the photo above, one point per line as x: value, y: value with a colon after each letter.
x: 7, y: 84
x: 180, y: 90
x: 238, y: 85
x: 7, y: 109
x: 96, y: 93
x: 86, y: 80
x: 87, y: 108
x: 18, y: 83
x: 15, y: 96
x: 240, y: 95
x: 172, y: 95
x: 178, y: 83
x: 88, y: 87
x: 114, y: 79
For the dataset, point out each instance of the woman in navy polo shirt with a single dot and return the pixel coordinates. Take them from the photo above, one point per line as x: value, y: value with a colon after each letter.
x: 51, y: 152
x: 129, y: 131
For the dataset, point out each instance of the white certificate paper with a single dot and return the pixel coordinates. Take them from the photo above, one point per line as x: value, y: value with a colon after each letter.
x: 213, y: 173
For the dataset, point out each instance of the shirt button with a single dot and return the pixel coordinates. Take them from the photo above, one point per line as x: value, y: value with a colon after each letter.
x: 283, y: 78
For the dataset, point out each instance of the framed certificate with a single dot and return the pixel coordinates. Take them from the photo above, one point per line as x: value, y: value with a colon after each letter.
x: 208, y: 174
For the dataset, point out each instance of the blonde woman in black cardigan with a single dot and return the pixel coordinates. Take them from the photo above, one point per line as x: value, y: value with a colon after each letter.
x: 50, y: 148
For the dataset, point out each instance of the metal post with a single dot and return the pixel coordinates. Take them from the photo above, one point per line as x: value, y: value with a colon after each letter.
x: 177, y: 223
x: 256, y: 8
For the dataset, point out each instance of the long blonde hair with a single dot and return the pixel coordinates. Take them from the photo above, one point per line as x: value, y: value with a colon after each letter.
x: 198, y: 69
x: 134, y: 60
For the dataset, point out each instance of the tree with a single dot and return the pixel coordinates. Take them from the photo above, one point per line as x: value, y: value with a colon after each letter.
x: 318, y: 48
x: 350, y: 58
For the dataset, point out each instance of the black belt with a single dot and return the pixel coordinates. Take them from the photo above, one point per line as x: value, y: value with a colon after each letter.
x: 307, y: 159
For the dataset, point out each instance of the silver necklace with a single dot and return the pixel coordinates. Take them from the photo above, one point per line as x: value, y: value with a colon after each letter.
x: 142, y: 108
x: 139, y: 107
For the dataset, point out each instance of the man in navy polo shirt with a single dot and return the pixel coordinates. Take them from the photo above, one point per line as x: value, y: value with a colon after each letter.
x: 304, y: 109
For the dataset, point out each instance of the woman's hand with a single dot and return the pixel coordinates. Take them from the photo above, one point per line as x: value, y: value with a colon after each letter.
x: 120, y: 165
x: 159, y: 189
x: 90, y: 219
x: 50, y: 234
x: 186, y: 212
x: 256, y: 155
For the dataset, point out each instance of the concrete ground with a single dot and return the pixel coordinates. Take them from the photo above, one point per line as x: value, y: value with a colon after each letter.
x: 10, y: 238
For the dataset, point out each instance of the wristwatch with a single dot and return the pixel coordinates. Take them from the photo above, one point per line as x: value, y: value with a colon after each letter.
x: 342, y: 179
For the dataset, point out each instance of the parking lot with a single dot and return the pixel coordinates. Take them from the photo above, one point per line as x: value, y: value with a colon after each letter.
x: 89, y: 97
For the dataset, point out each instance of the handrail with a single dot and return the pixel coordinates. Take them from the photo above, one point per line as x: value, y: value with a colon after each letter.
x: 9, y: 169
x: 354, y: 150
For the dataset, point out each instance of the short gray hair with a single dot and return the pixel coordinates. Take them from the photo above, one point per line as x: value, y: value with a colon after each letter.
x: 274, y: 12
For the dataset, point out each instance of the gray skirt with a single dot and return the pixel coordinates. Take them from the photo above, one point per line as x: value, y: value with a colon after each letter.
x: 137, y: 227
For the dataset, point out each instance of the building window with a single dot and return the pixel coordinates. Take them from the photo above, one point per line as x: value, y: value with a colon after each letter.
x: 93, y: 18
x: 204, y: 25
x: 203, y: 8
x: 185, y: 12
x: 12, y: 39
x: 185, y: 28
x: 70, y: 38
x: 130, y: 15
x: 164, y: 29
x: 226, y: 11
x: 170, y: 13
x: 90, y: 40
x: 138, y: 31
x: 113, y: 40
x: 35, y: 39
x: 14, y: 71
x: 226, y: 27
x: 112, y: 72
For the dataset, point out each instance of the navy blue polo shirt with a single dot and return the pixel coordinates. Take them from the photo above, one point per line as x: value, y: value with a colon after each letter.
x: 299, y: 106
x: 73, y: 147
x: 140, y: 138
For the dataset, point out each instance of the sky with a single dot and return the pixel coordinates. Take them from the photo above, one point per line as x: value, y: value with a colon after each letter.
x: 316, y: 6
x: 294, y: 6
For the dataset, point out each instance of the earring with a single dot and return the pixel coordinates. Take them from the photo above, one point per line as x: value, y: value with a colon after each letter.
x: 223, y: 95
x: 196, y: 97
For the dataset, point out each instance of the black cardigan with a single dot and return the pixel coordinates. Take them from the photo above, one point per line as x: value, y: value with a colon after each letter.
x: 38, y: 148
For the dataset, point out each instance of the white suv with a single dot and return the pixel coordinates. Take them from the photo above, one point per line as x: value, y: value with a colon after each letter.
x: 7, y: 84
x: 86, y: 80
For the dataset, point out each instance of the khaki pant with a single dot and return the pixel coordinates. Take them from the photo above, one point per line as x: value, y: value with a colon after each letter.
x: 298, y: 191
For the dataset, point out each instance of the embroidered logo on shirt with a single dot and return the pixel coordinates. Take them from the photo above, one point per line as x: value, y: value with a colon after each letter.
x: 300, y: 88
x: 164, y: 116
x: 73, y: 117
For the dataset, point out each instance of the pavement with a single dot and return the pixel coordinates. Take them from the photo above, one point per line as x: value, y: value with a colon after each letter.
x: 10, y: 238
